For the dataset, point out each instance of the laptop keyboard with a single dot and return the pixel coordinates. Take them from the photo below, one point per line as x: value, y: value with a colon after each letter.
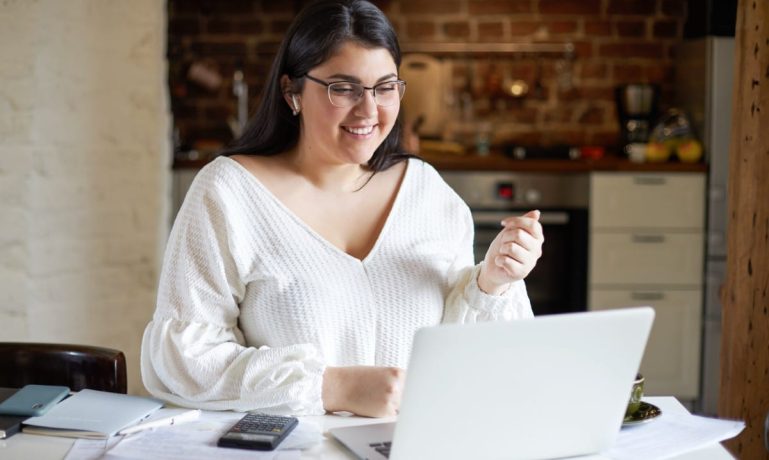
x: 382, y: 447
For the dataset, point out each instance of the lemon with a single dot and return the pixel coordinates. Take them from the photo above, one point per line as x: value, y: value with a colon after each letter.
x: 689, y: 151
x: 657, y: 152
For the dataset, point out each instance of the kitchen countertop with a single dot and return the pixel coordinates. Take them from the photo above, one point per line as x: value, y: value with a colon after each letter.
x: 499, y: 162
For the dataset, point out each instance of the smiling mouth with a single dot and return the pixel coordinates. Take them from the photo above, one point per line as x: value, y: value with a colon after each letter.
x: 359, y: 131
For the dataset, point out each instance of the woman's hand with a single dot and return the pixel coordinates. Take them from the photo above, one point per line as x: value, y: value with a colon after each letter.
x: 363, y: 390
x: 512, y: 254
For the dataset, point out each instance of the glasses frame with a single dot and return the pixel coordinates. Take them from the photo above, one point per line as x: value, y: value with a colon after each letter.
x: 373, y: 89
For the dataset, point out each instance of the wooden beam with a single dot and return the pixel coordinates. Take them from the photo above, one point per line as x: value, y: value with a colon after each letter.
x: 745, y: 341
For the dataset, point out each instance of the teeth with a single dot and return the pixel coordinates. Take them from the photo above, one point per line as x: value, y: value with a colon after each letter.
x: 360, y: 131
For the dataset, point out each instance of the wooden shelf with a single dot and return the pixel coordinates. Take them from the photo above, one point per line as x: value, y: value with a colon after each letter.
x: 566, y: 50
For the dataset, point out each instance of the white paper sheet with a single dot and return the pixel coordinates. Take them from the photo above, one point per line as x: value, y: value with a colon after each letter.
x: 193, y: 441
x: 87, y: 449
x: 672, y: 434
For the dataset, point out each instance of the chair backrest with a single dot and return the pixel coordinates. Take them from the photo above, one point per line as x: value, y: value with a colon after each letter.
x: 76, y: 366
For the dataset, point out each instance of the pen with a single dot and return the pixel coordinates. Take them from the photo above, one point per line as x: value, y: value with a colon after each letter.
x: 184, y: 417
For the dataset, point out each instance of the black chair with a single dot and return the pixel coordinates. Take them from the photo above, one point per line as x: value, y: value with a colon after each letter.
x: 75, y: 366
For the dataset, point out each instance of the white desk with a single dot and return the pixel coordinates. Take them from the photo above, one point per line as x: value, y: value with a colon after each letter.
x: 25, y: 446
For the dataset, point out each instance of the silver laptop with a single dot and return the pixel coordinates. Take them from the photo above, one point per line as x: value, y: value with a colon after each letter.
x: 548, y: 387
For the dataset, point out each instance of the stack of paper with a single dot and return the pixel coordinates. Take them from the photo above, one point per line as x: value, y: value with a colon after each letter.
x: 92, y: 414
x: 671, y: 435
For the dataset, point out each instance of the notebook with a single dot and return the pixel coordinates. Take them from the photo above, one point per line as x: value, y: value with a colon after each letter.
x: 546, y: 387
x: 9, y: 424
x: 92, y: 414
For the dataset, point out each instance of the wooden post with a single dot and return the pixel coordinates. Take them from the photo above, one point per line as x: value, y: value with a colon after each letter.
x: 745, y: 341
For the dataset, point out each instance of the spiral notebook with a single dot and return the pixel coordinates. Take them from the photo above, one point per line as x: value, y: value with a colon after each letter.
x: 92, y: 414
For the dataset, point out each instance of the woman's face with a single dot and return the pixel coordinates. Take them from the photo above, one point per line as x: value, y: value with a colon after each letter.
x: 346, y: 135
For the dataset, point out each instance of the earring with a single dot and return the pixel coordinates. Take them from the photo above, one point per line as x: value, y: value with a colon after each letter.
x: 295, y: 111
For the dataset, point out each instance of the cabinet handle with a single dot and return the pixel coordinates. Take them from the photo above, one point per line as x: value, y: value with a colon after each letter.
x: 649, y: 180
x: 648, y: 238
x: 545, y: 218
x: 489, y: 218
x: 554, y: 218
x: 647, y: 296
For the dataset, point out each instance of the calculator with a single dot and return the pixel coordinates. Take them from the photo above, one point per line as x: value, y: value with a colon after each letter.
x: 258, y: 432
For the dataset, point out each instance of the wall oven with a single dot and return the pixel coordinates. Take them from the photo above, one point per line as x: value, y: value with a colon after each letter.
x: 558, y: 284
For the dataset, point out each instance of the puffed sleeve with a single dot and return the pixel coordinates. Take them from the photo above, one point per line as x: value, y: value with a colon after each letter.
x: 193, y: 352
x: 466, y: 302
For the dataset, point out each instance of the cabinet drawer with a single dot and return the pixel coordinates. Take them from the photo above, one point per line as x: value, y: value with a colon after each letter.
x: 647, y: 200
x: 671, y: 362
x: 646, y: 258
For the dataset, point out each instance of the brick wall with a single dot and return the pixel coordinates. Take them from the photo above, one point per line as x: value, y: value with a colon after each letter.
x: 84, y: 171
x: 617, y: 41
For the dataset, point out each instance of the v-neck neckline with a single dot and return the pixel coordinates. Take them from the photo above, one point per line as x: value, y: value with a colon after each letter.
x: 311, y: 231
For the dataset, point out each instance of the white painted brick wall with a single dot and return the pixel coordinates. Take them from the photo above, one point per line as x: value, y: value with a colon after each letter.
x: 84, y: 170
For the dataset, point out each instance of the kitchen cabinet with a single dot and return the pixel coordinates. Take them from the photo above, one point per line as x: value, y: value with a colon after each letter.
x: 647, y: 248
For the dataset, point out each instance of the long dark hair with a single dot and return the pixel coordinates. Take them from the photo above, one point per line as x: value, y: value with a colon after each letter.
x: 316, y: 34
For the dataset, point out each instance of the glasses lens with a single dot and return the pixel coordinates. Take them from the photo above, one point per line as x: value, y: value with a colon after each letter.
x: 389, y: 92
x: 344, y: 94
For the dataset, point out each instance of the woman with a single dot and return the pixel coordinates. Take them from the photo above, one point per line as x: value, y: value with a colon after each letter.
x: 300, y: 266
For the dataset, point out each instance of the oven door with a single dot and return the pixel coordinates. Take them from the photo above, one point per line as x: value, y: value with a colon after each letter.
x: 558, y: 284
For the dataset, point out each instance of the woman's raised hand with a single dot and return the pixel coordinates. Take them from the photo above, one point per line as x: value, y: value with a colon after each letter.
x: 512, y: 254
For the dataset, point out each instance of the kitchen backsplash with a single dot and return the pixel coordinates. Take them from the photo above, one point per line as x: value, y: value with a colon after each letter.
x: 568, y: 99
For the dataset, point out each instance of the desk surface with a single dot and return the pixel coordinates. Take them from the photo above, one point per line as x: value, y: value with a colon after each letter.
x: 26, y: 446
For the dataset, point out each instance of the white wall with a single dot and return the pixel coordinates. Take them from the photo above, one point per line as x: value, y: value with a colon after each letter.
x: 84, y: 170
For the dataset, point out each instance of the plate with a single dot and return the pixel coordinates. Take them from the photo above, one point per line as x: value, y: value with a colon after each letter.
x: 646, y: 413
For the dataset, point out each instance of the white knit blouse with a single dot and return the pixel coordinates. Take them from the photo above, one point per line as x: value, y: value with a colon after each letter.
x: 253, y: 304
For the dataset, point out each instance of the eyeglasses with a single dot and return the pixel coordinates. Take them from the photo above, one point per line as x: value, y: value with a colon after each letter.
x: 346, y: 94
